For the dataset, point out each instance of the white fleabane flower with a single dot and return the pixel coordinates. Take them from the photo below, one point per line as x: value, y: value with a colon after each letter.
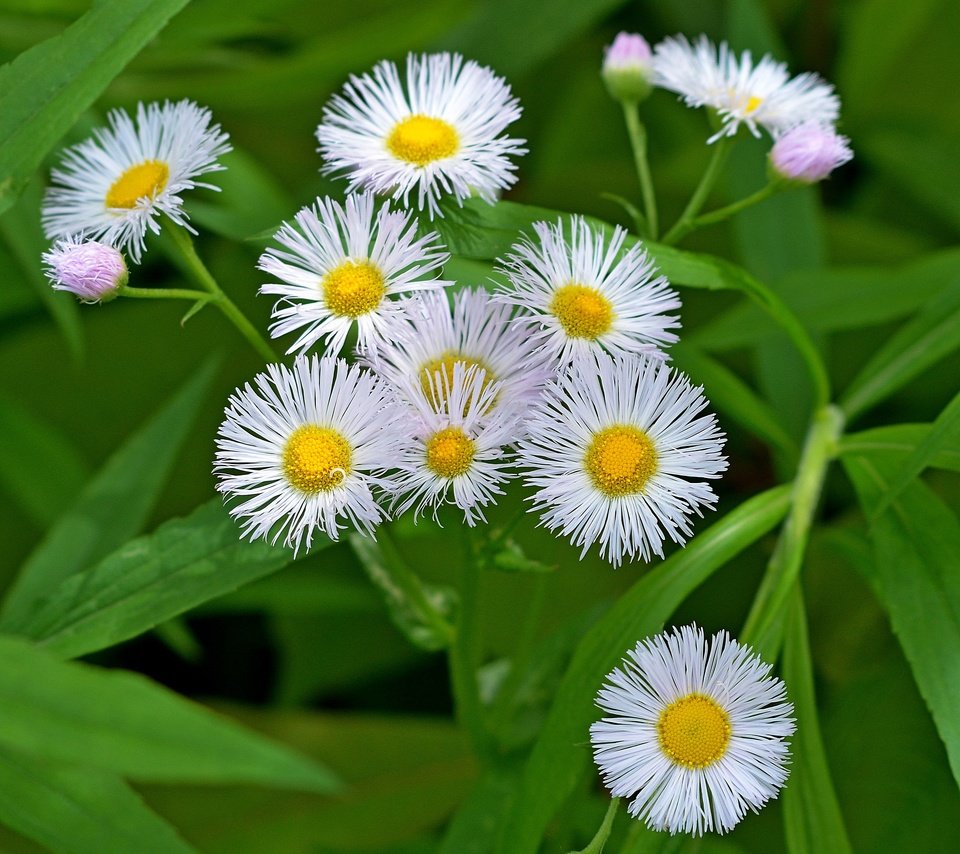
x: 694, y: 733
x: 116, y: 185
x: 92, y: 271
x: 434, y: 335
x: 438, y: 134
x: 618, y: 453
x: 763, y: 95
x: 301, y: 449
x: 341, y: 264
x: 458, y: 449
x: 581, y: 293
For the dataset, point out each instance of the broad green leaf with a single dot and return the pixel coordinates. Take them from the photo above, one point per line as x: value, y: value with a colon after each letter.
x: 916, y: 542
x: 44, y: 90
x: 79, y: 810
x: 812, y: 815
x: 112, y: 507
x: 39, y: 466
x: 561, y: 752
x: 122, y: 722
x: 900, y: 441
x: 151, y: 579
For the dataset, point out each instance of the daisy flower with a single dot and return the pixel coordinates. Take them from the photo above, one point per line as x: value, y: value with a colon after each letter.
x: 434, y: 336
x: 115, y: 186
x: 694, y: 732
x: 809, y: 153
x: 301, y: 449
x: 438, y: 134
x: 617, y: 452
x: 458, y: 446
x: 340, y: 264
x: 581, y: 293
x: 91, y: 271
x: 763, y: 95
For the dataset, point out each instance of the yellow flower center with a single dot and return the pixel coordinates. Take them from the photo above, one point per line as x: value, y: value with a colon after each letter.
x: 620, y: 460
x: 694, y: 731
x: 316, y: 459
x: 422, y: 140
x: 443, y: 365
x: 583, y: 311
x: 753, y: 102
x: 353, y: 289
x: 450, y: 452
x: 144, y: 180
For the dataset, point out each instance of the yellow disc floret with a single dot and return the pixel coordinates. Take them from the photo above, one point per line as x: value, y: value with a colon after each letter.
x: 443, y: 365
x: 753, y: 102
x: 694, y: 731
x: 620, y: 460
x: 316, y: 459
x: 583, y: 311
x: 450, y: 452
x: 353, y: 289
x: 421, y: 140
x: 144, y: 180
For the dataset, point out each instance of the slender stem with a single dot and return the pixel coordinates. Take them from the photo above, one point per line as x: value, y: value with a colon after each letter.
x: 201, y: 275
x: 164, y: 293
x: 603, y: 834
x: 784, y: 567
x: 684, y: 224
x: 720, y: 214
x: 638, y: 142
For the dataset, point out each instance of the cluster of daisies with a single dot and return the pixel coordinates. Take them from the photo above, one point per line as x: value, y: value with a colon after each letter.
x: 409, y: 392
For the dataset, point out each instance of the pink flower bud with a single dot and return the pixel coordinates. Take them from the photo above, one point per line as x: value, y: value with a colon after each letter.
x: 809, y: 153
x: 628, y: 67
x: 90, y: 270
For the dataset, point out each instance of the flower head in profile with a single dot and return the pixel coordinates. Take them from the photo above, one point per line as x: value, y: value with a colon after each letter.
x: 115, y: 186
x: 761, y: 95
x: 438, y: 133
x: 301, y: 450
x: 628, y: 67
x: 458, y: 453
x: 619, y: 454
x: 340, y: 265
x: 809, y: 153
x: 92, y: 271
x: 694, y: 732
x: 581, y: 293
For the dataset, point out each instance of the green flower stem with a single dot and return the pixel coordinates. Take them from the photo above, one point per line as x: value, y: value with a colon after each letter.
x: 201, y: 275
x: 760, y: 630
x: 164, y: 293
x: 638, y: 142
x: 685, y: 224
x: 603, y: 834
x: 720, y: 214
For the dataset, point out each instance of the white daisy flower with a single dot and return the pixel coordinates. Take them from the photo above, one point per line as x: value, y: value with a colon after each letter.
x: 440, y: 134
x: 340, y: 264
x: 302, y: 448
x: 694, y: 733
x: 115, y: 186
x: 581, y: 293
x: 763, y: 95
x: 458, y: 447
x: 618, y: 454
x: 476, y: 331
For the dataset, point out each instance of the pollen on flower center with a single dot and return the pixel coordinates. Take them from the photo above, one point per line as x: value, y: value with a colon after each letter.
x: 316, y: 459
x: 450, y: 452
x: 583, y: 311
x: 421, y: 140
x: 620, y: 460
x: 694, y: 731
x: 444, y: 365
x: 353, y: 289
x: 144, y: 180
x: 753, y: 102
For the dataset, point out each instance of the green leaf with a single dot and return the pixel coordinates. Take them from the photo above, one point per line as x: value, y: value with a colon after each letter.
x: 151, y: 579
x: 561, y: 752
x: 898, y: 441
x: 124, y: 723
x: 45, y: 89
x: 79, y: 810
x: 474, y: 827
x: 914, y: 574
x: 812, y: 817
x: 113, y: 506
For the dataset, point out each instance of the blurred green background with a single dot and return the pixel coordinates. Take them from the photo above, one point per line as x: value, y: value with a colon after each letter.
x: 310, y: 655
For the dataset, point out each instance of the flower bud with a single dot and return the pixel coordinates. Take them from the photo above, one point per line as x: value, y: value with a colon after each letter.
x: 90, y: 270
x: 628, y: 68
x: 808, y: 153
